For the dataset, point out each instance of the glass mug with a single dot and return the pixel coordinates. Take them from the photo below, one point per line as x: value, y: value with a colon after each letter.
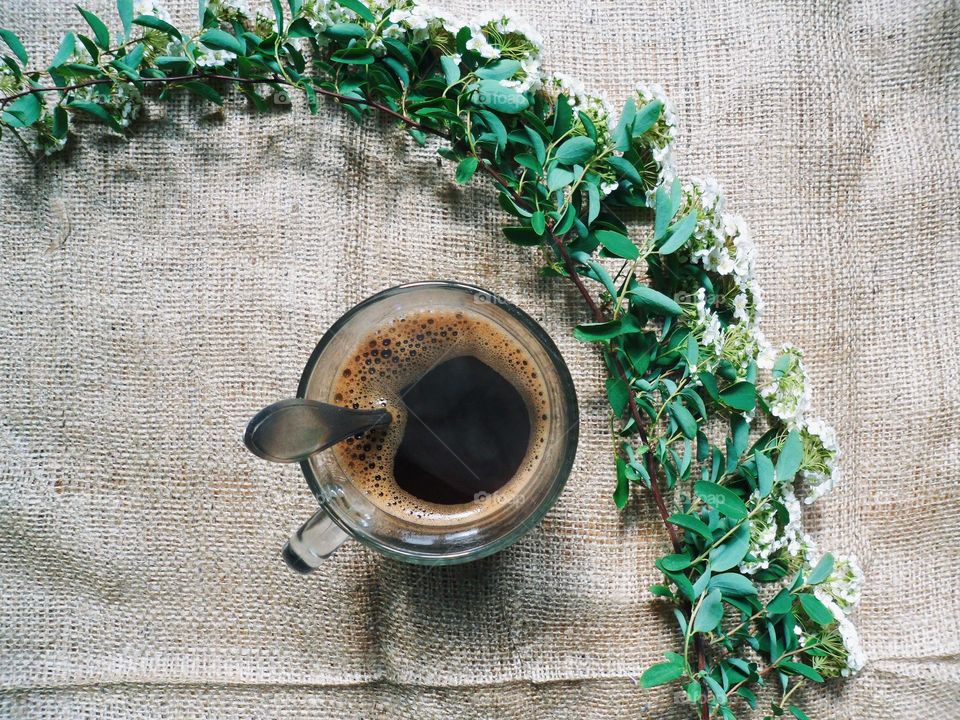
x: 348, y: 513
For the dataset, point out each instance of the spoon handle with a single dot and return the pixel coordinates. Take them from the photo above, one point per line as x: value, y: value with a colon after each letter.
x: 292, y: 430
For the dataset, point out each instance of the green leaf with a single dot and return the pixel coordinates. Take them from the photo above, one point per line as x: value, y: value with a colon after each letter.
x: 596, y: 332
x: 345, y: 31
x: 500, y: 70
x: 681, y: 233
x: 722, y: 498
x: 798, y: 713
x: 278, y: 14
x: 817, y: 611
x: 398, y: 69
x: 205, y: 91
x: 618, y: 394
x: 155, y: 23
x: 220, y: 40
x: 822, y: 570
x: 689, y: 522
x: 466, y: 169
x: 733, y: 584
x: 720, y: 694
x: 765, y: 473
x: 496, y: 126
x: 800, y: 669
x: 61, y: 123
x: 125, y: 10
x: 353, y: 56
x: 688, y: 426
x: 646, y: 117
x: 491, y: 94
x: 654, y: 300
x: 399, y: 51
x: 359, y: 8
x: 625, y: 169
x: 781, y: 603
x: 664, y: 214
x: 96, y: 111
x: 67, y: 46
x: 558, y: 178
x: 538, y: 222
x: 451, y: 71
x: 730, y: 553
x: 521, y: 235
x: 740, y: 396
x: 133, y: 58
x: 100, y: 31
x: 675, y: 563
x: 622, y: 492
x: 622, y: 133
x: 13, y: 42
x: 23, y: 111
x: 575, y: 151
x: 790, y: 458
x: 536, y: 142
x: 617, y: 243
x: 709, y: 383
x: 660, y: 674
x: 710, y: 613
x: 593, y: 202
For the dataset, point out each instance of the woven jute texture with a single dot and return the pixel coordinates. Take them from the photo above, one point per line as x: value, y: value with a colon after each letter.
x: 157, y: 291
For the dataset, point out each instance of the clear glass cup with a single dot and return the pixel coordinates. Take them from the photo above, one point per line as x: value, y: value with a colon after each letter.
x: 347, y: 513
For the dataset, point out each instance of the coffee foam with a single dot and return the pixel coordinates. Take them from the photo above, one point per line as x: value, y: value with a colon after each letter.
x: 397, y: 354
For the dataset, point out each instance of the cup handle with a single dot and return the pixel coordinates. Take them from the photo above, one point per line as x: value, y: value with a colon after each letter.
x: 316, y: 540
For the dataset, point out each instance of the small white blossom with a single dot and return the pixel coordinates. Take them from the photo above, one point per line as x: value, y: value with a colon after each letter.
x: 820, y: 469
x: 151, y: 8
x: 768, y: 539
x: 844, y: 584
x: 856, y: 656
x: 787, y: 394
x: 478, y: 43
x: 213, y: 58
x: 740, y: 307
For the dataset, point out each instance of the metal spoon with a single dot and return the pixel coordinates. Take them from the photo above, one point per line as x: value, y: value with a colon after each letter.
x: 292, y: 430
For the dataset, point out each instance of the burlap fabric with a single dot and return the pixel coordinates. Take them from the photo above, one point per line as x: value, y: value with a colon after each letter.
x: 157, y: 291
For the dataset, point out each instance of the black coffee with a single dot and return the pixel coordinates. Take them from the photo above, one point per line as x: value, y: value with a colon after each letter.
x: 467, y: 432
x: 470, y: 416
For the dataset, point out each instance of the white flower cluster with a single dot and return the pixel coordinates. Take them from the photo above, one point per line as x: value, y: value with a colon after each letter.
x: 844, y: 584
x: 151, y: 8
x: 820, y: 470
x: 662, y: 136
x: 492, y: 35
x: 420, y: 21
x: 230, y: 9
x: 320, y: 14
x: 207, y: 57
x: 596, y: 106
x: 787, y: 393
x: 856, y: 656
x: 768, y: 540
x: 123, y: 100
x: 504, y: 34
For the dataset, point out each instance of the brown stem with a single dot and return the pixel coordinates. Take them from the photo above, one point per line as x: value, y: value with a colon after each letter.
x: 229, y: 78
x: 701, y: 664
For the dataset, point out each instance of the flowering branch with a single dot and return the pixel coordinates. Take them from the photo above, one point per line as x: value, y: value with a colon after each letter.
x: 686, y: 360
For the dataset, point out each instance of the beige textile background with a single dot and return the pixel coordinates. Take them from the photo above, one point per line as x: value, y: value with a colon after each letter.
x: 156, y: 291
